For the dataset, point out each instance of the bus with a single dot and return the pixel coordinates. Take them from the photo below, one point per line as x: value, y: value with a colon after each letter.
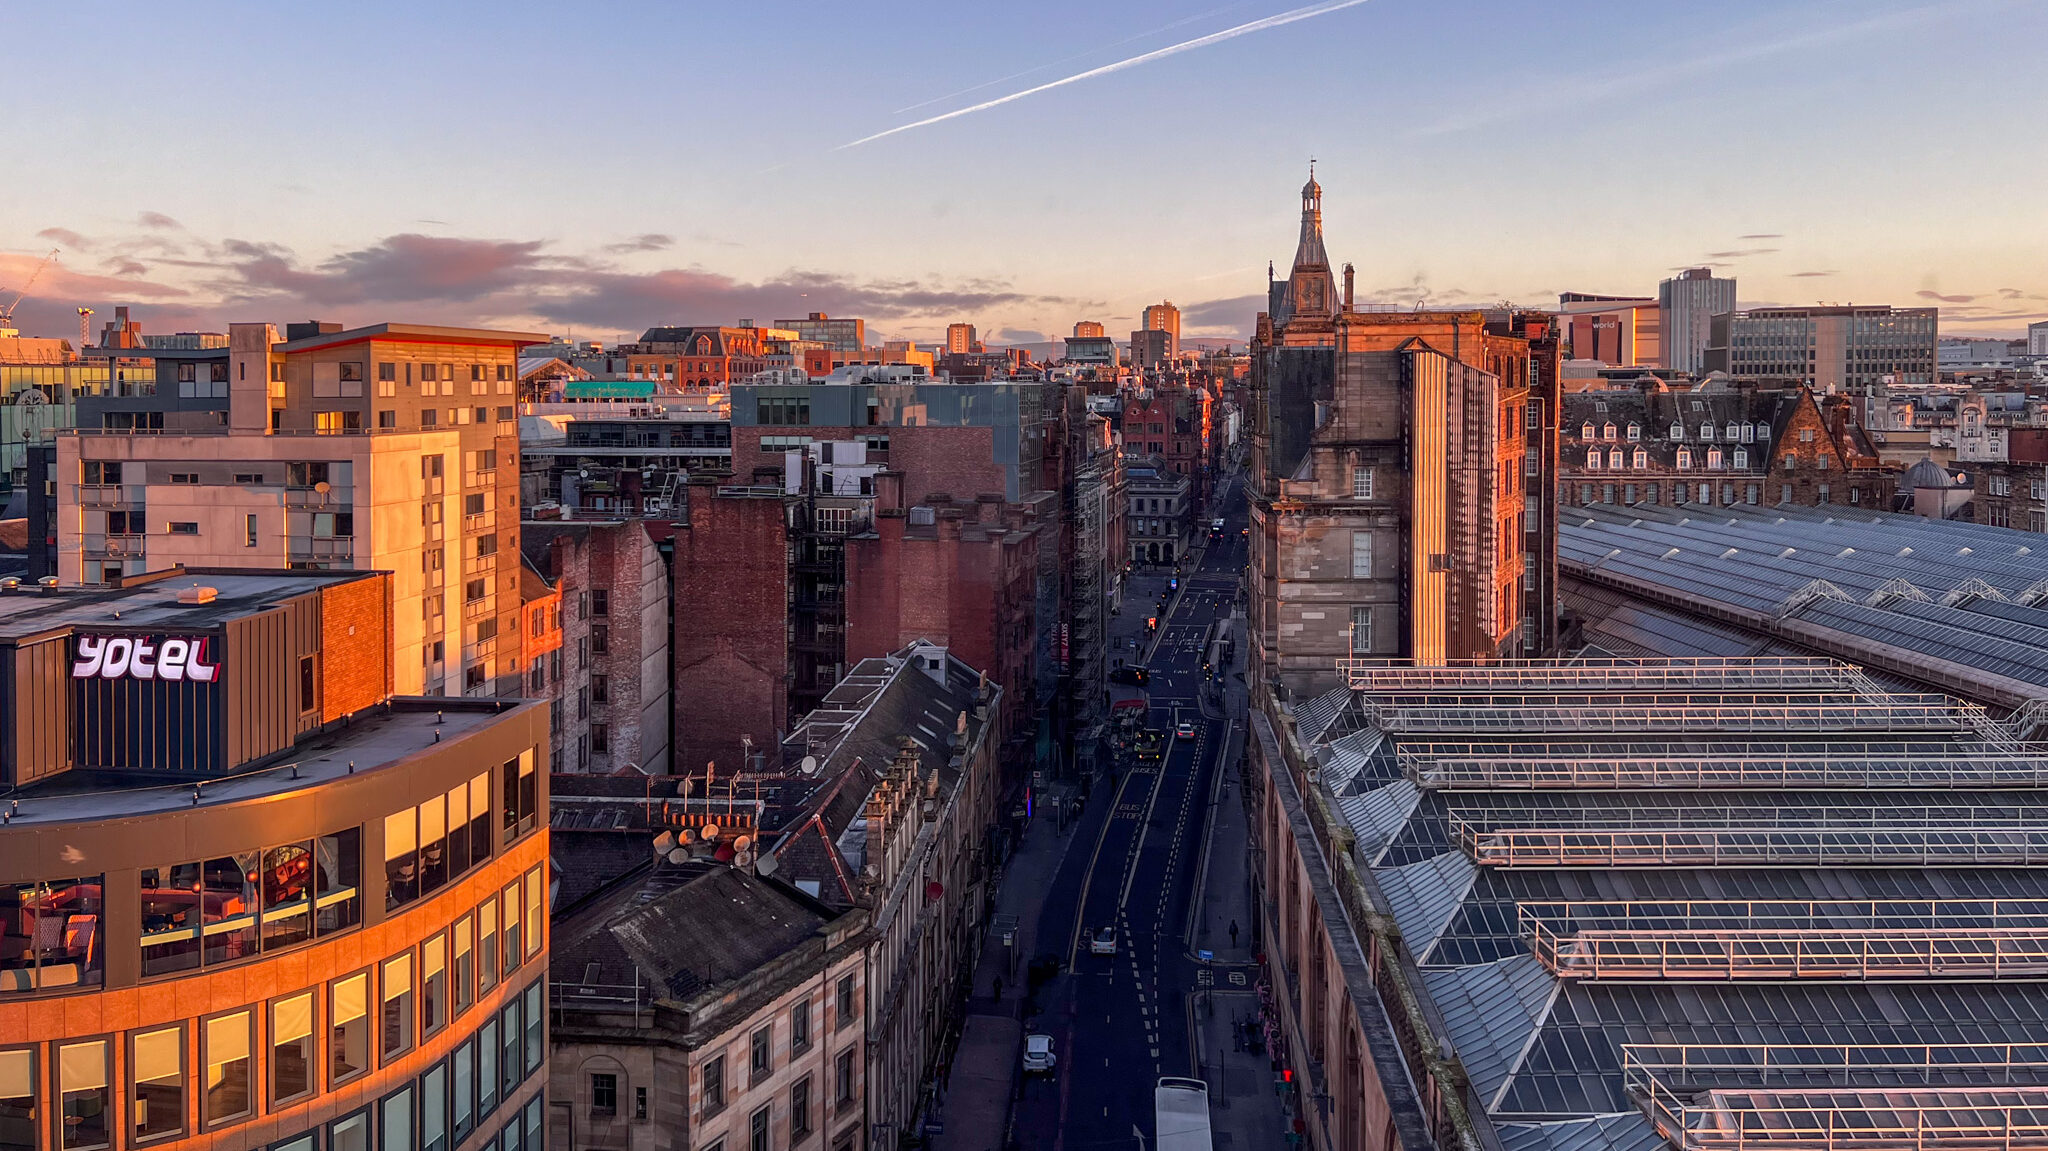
x: 1180, y: 1114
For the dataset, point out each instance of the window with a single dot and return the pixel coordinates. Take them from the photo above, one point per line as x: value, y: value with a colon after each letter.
x: 1586, y: 430
x: 600, y: 688
x: 757, y: 1130
x: 157, y: 1071
x: 85, y: 1106
x: 1741, y: 458
x: 462, y: 1067
x: 1635, y: 433
x: 847, y: 1006
x: 349, y: 1133
x: 1677, y: 432
x: 510, y: 910
x: 487, y: 1067
x: 465, y: 963
x: 1806, y: 435
x: 1361, y: 554
x: 1707, y: 433
x: 228, y: 1086
x: 1361, y: 630
x: 291, y: 1048
x: 434, y: 1108
x: 1361, y: 483
x: 184, y: 477
x: 397, y: 1016
x: 842, y: 1079
x: 1607, y: 432
x: 401, y: 858
x: 640, y: 1103
x: 536, y: 1020
x: 600, y: 602
x: 395, y: 1126
x: 536, y: 912
x: 604, y: 1095
x: 1640, y: 459
x: 761, y: 1059
x: 800, y: 1026
x: 600, y: 638
x: 433, y: 985
x: 1714, y: 459
x: 1684, y: 457
x: 1791, y: 462
x: 1614, y: 459
x: 800, y: 1108
x: 1593, y: 459
x: 183, y: 528
x: 487, y: 945
x: 714, y: 1085
x: 475, y: 590
x: 600, y: 739
x: 510, y: 1060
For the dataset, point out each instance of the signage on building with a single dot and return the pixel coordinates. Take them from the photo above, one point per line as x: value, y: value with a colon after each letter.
x: 144, y: 657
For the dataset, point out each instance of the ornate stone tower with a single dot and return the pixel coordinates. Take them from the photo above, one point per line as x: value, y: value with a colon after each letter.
x: 1311, y: 291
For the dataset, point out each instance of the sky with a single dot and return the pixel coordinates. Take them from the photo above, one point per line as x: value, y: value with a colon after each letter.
x: 596, y: 169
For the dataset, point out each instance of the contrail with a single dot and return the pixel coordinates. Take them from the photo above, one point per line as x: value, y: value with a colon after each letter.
x: 1181, y: 23
x: 1288, y: 17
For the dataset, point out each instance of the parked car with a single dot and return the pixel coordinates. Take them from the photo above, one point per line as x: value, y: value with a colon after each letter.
x: 1103, y: 942
x: 1184, y: 730
x: 1038, y: 1056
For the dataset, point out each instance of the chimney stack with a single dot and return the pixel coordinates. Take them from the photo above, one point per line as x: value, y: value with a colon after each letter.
x: 1348, y: 278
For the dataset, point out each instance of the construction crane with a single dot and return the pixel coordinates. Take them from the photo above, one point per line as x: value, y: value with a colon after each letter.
x: 84, y: 328
x: 7, y: 314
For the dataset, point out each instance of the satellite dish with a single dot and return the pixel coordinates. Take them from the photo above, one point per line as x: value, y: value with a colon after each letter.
x: 664, y: 841
x: 710, y: 833
x: 743, y: 843
x: 743, y: 859
x: 765, y: 865
x: 682, y: 835
x: 809, y: 766
x: 678, y: 855
x: 323, y: 487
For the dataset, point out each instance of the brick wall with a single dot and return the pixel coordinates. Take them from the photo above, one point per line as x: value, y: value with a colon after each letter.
x: 959, y: 462
x: 731, y: 639
x: 355, y: 646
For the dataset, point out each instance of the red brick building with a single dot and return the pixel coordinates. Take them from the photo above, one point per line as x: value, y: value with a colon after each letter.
x: 731, y: 639
x: 696, y: 359
x: 964, y: 577
x: 951, y: 461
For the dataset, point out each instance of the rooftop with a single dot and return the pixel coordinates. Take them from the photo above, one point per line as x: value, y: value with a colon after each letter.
x: 153, y: 602
x: 1960, y: 607
x: 1649, y: 931
x: 386, y: 734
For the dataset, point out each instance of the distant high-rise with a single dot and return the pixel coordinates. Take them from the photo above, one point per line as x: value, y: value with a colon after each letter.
x: 1687, y: 304
x: 1087, y: 330
x: 1163, y: 317
x: 1858, y: 349
x: 960, y: 339
x: 840, y: 335
x: 2037, y: 339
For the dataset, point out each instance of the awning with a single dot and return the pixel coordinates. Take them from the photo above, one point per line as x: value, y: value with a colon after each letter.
x: 609, y: 389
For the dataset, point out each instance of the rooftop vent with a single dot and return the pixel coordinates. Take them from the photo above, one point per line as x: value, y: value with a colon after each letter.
x: 198, y: 594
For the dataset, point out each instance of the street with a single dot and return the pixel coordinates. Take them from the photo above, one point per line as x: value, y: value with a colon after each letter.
x: 1121, y: 1021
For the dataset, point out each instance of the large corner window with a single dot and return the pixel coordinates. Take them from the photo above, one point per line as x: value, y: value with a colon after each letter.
x: 51, y: 934
x: 224, y: 910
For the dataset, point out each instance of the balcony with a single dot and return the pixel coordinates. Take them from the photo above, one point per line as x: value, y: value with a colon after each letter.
x: 1786, y: 1097
x: 1788, y: 939
x: 480, y: 565
x: 116, y: 545
x: 323, y: 548
x: 109, y: 495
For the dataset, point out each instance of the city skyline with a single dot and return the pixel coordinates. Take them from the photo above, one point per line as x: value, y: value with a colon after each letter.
x: 1808, y: 150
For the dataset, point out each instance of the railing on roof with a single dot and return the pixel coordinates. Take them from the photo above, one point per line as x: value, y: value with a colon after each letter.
x: 1905, y: 845
x: 1760, y: 672
x: 1537, y: 713
x: 1788, y: 939
x: 1784, y: 1097
x: 1695, y: 772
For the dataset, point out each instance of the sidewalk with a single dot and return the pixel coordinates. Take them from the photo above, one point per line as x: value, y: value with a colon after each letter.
x: 983, y: 1081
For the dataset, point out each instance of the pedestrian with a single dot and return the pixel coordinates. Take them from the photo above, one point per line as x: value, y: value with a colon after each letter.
x: 1233, y: 933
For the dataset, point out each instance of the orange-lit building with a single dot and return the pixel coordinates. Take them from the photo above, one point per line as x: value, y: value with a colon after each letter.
x: 696, y: 358
x: 249, y: 898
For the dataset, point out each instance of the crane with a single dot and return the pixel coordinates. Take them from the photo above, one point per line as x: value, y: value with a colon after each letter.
x: 7, y: 313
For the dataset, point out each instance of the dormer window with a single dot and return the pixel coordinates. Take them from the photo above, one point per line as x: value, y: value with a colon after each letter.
x: 1593, y: 459
x: 1642, y: 459
x: 1706, y: 433
x: 1677, y: 432
x: 1614, y: 459
x: 1748, y: 432
x: 1734, y: 431
x: 1684, y: 458
x: 1741, y: 459
x: 1586, y: 430
x: 1635, y: 433
x: 1607, y: 433
x: 1714, y: 459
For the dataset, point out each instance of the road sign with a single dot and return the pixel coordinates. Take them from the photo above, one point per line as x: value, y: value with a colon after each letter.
x: 1205, y: 956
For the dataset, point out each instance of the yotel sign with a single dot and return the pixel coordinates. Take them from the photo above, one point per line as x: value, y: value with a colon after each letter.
x: 139, y: 657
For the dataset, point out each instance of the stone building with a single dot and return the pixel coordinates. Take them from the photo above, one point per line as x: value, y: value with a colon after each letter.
x: 703, y: 1005
x: 606, y: 588
x: 1160, y: 519
x: 1718, y: 446
x: 1387, y: 481
x: 2013, y: 492
x: 906, y: 830
x: 732, y: 638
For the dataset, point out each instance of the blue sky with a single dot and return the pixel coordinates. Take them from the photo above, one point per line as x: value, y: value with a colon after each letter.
x: 606, y: 166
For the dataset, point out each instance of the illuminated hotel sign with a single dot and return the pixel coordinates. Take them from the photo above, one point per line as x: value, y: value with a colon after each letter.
x: 140, y: 657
